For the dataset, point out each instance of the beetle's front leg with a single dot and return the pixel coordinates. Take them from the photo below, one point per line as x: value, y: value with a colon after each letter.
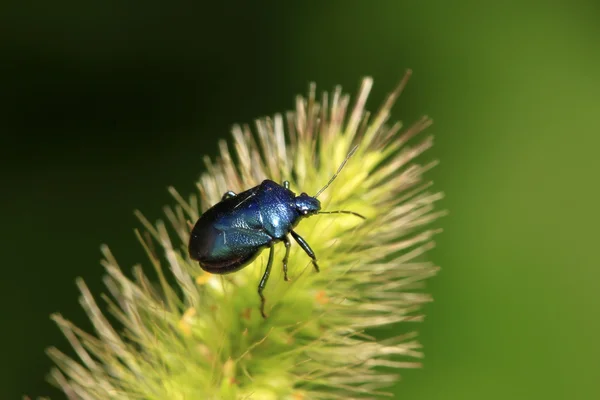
x: 286, y: 242
x: 263, y: 281
x: 286, y: 184
x: 229, y: 194
x: 306, y: 248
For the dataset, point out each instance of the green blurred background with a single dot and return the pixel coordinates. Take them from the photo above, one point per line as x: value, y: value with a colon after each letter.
x: 108, y: 102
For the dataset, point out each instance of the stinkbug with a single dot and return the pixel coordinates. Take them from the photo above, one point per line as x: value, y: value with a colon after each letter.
x: 232, y: 233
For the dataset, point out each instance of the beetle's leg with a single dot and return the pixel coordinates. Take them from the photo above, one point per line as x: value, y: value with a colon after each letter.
x: 229, y: 194
x: 286, y: 242
x: 263, y: 282
x: 306, y: 248
x: 286, y: 184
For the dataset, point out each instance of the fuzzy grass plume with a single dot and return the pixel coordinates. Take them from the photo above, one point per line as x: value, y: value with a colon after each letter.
x: 194, y: 335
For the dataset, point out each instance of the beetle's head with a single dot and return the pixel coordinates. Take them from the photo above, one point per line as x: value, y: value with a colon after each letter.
x: 307, y: 205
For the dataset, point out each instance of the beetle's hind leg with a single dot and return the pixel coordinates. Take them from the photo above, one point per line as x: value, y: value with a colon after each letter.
x: 263, y: 281
x: 229, y: 194
x: 286, y: 242
x: 306, y: 248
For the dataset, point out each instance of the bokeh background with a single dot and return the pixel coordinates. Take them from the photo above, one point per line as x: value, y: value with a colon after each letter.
x: 106, y: 103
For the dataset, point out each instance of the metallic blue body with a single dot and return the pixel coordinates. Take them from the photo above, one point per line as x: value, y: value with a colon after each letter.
x: 232, y: 233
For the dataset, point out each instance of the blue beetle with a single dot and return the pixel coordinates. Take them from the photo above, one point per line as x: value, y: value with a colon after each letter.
x: 232, y: 233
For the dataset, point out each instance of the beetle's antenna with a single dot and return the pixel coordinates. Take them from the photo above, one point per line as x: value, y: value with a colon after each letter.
x: 342, y: 212
x: 338, y: 171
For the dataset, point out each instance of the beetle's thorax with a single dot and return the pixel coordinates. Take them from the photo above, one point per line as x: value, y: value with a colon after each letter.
x: 277, y: 210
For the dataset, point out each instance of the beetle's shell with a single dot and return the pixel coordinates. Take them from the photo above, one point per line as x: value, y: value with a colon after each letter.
x: 231, y: 234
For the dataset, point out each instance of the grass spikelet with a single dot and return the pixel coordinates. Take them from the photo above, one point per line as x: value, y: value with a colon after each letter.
x: 193, y: 335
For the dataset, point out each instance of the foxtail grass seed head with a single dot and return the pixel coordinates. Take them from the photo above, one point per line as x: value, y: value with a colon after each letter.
x: 193, y: 335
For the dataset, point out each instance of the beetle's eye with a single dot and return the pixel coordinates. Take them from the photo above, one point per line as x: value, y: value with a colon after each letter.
x: 305, y: 212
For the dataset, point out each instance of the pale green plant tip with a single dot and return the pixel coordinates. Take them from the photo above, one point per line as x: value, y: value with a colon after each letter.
x: 204, y: 337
